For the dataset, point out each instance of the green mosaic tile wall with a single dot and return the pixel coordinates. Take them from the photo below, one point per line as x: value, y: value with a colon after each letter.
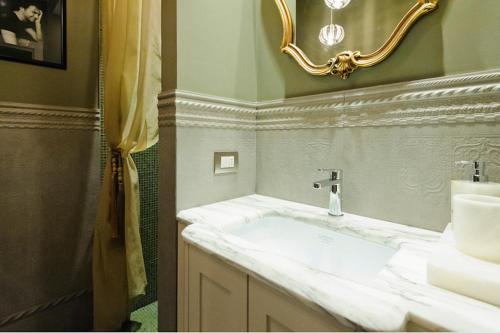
x: 148, y: 168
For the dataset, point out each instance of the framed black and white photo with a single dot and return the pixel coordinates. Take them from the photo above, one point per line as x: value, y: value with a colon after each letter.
x: 33, y: 31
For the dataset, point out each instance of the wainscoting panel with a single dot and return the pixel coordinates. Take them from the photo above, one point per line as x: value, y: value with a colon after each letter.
x: 49, y: 176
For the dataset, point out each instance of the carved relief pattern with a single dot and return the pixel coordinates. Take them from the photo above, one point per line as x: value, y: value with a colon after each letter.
x: 426, y: 161
x: 317, y: 153
x: 485, y: 149
x: 193, y: 110
x: 465, y: 98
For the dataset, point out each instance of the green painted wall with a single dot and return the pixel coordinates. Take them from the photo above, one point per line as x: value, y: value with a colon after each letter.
x: 461, y: 36
x: 76, y: 86
x: 216, y: 48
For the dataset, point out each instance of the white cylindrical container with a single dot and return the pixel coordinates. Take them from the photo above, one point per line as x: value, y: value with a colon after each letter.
x: 470, y: 187
x: 476, y: 225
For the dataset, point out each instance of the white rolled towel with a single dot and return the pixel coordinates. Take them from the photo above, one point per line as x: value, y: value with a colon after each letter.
x: 476, y: 225
x: 450, y: 269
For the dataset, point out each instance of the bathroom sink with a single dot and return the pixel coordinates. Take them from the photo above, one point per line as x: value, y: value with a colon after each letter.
x: 476, y: 225
x: 319, y: 248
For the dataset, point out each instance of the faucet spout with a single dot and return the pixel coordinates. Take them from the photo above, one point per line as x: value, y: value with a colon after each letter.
x: 326, y: 183
x: 335, y: 182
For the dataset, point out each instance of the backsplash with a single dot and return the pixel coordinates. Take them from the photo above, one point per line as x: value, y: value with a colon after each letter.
x: 397, y: 143
x: 400, y: 174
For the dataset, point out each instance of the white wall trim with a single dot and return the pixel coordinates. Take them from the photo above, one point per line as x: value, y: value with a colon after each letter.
x: 38, y: 116
x: 463, y: 98
x: 188, y: 109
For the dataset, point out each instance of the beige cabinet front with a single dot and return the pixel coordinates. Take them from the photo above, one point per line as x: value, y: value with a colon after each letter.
x: 217, y: 295
x: 269, y: 310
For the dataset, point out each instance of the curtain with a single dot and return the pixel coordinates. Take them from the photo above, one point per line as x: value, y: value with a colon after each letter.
x: 132, y: 81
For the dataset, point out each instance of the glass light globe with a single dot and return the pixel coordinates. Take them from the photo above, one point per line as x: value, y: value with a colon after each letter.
x: 331, y: 34
x: 337, y: 4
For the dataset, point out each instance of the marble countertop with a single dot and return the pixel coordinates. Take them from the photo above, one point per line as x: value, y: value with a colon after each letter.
x: 399, y: 294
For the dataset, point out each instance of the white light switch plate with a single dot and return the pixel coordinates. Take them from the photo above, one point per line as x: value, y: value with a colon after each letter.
x: 225, y: 162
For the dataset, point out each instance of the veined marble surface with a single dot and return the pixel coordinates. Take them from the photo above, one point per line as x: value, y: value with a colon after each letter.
x: 399, y: 294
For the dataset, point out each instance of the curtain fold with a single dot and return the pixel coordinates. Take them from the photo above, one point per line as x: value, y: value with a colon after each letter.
x: 132, y: 81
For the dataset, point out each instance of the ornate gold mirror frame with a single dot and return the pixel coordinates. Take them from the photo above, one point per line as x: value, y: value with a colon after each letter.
x: 346, y: 62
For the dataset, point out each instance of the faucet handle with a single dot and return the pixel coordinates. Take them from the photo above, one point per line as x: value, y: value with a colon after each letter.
x: 335, y: 173
x: 478, y: 175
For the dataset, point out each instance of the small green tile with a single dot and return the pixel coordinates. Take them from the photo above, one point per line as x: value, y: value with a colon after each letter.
x: 148, y: 317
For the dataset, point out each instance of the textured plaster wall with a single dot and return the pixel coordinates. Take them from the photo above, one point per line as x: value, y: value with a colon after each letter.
x: 50, y: 182
x: 399, y: 174
x: 196, y: 183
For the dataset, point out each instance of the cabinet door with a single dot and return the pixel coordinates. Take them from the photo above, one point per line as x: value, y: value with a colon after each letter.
x: 423, y: 326
x: 272, y: 311
x: 217, y: 294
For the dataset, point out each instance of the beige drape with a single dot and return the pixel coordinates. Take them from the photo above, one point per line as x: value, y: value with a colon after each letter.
x: 132, y: 67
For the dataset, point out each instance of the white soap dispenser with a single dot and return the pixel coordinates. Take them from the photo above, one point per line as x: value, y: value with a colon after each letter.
x: 478, y: 183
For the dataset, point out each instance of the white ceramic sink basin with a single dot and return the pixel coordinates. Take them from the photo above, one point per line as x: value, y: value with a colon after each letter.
x: 476, y: 225
x: 316, y: 247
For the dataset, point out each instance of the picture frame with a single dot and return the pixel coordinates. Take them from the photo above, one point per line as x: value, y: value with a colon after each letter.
x: 33, y: 32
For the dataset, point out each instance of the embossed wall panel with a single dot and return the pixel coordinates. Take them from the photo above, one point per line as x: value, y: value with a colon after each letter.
x: 399, y: 174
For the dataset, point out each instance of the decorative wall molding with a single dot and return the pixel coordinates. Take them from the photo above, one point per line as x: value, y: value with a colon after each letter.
x: 464, y: 98
x: 187, y: 109
x: 37, y: 116
x: 42, y: 307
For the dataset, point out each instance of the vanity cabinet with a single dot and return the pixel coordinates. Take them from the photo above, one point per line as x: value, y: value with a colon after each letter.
x: 270, y: 310
x: 216, y: 296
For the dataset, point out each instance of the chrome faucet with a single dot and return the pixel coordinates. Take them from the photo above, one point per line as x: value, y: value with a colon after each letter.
x: 335, y: 181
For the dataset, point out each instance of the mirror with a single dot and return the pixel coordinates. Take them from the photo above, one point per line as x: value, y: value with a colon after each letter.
x: 339, y: 36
